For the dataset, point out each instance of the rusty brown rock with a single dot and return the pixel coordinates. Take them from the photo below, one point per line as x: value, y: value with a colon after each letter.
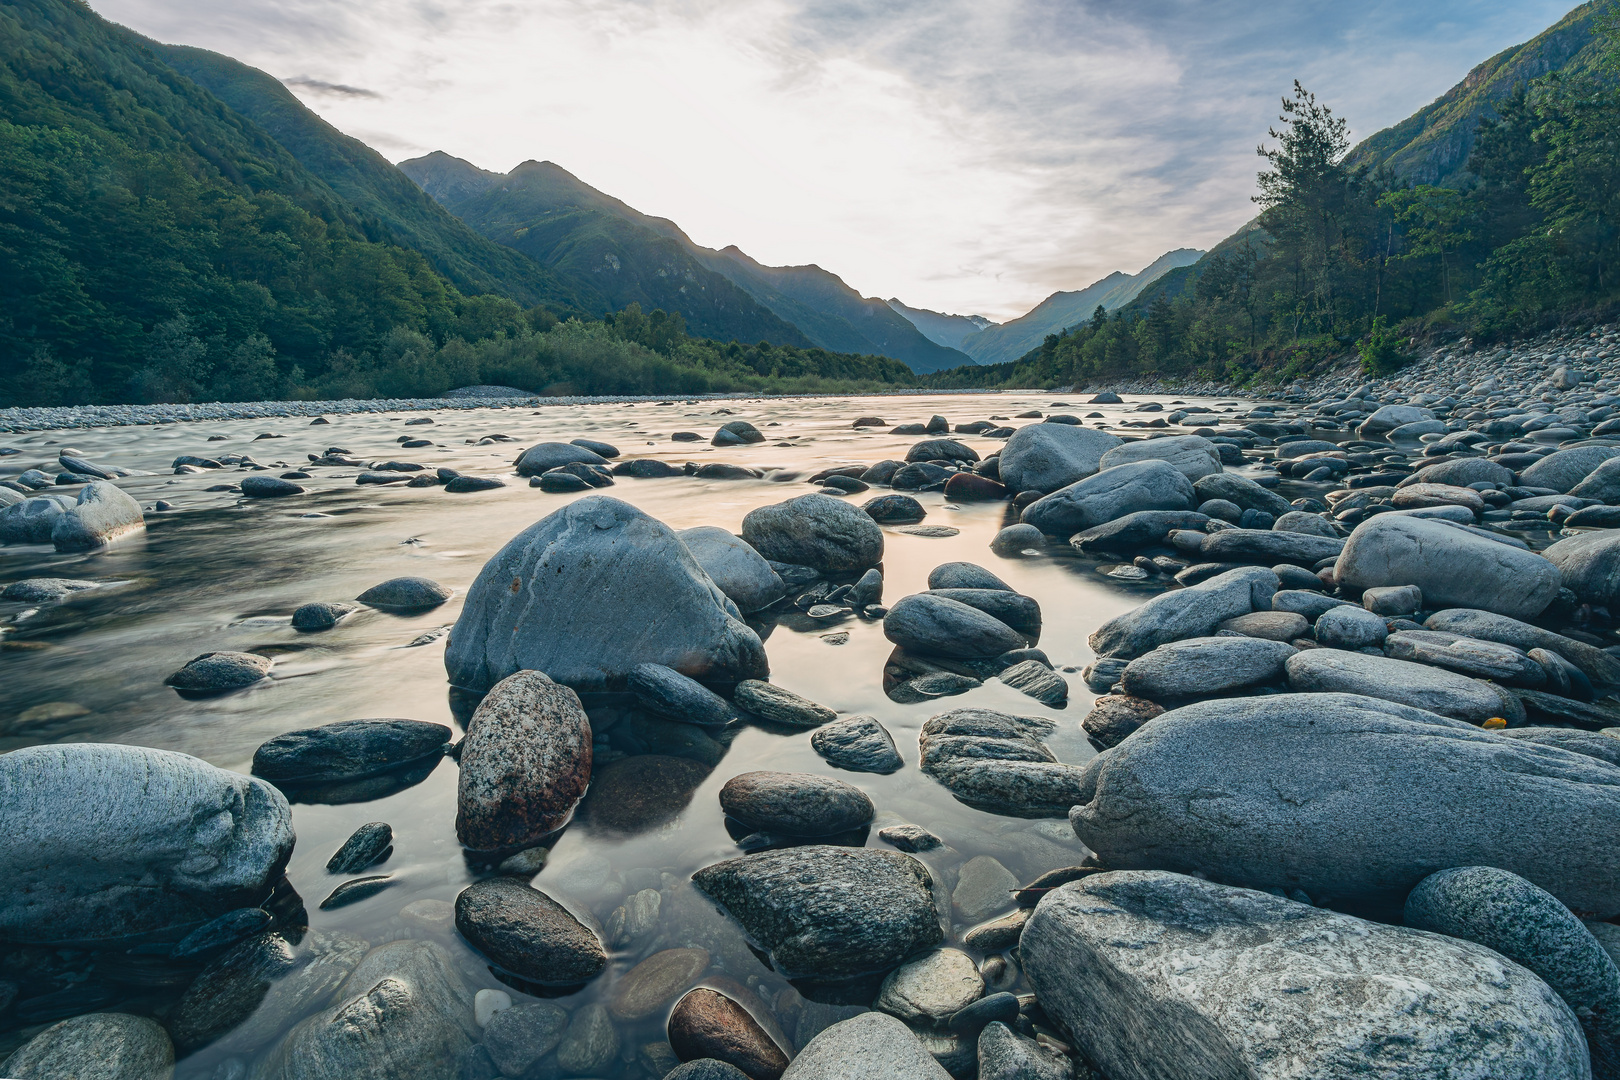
x: 708, y: 1024
x: 966, y: 485
x: 525, y: 763
x: 1114, y: 717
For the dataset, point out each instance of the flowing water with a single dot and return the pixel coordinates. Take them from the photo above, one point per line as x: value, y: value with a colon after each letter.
x: 222, y: 572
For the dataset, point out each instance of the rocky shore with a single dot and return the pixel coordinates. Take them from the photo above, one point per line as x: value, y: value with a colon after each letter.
x: 1354, y: 809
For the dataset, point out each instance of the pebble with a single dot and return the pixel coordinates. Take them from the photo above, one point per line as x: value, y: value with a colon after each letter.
x: 220, y: 672
x: 406, y: 594
x: 528, y: 933
x: 371, y: 844
x: 771, y: 702
x: 486, y: 1003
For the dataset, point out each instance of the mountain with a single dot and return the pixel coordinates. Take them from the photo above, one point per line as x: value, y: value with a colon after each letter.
x: 370, y: 184
x: 614, y: 255
x: 941, y: 329
x: 1432, y: 145
x: 1061, y: 310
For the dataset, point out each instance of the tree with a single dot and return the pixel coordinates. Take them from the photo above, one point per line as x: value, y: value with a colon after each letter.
x: 1436, y: 224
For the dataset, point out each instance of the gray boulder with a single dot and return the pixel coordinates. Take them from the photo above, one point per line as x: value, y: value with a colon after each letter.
x: 818, y: 531
x: 1045, y: 457
x: 1205, y: 667
x: 218, y: 672
x: 1279, y: 777
x: 104, y: 842
x: 590, y: 591
x: 347, y: 750
x: 1125, y: 535
x: 1563, y: 470
x: 936, y: 625
x: 741, y: 572
x: 1006, y: 1055
x: 1240, y: 491
x: 96, y: 1046
x: 528, y: 933
x: 1336, y: 671
x: 825, y: 912
x: 1602, y: 483
x: 1589, y: 564
x: 941, y: 450
x: 1302, y: 521
x: 544, y: 457
x: 1390, y: 417
x: 1193, y: 455
x: 1599, y: 666
x: 1454, y: 567
x: 1461, y: 472
x: 1505, y: 913
x: 996, y: 762
x: 666, y: 692
x: 871, y: 1046
x: 1184, y: 613
x: 795, y: 804
x: 862, y: 744
x: 1111, y: 493
x: 1270, y: 547
x: 1349, y: 627
x: 405, y: 594
x: 103, y: 514
x: 1159, y: 976
x: 964, y: 575
x: 32, y: 520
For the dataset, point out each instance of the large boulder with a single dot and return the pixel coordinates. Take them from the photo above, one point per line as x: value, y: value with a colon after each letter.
x: 1193, y: 455
x: 543, y: 457
x: 525, y: 763
x: 1453, y: 566
x: 741, y: 572
x: 1271, y: 548
x: 590, y: 591
x: 1460, y: 472
x: 105, y: 842
x: 1160, y: 976
x: 1349, y: 797
x: 936, y: 625
x: 96, y: 1046
x: 828, y: 913
x: 1390, y: 417
x: 1045, y: 457
x: 817, y: 531
x: 871, y: 1046
x: 103, y: 514
x: 1241, y: 492
x: 1110, y: 494
x: 1196, y: 611
x: 1589, y: 564
x: 1602, y: 483
x: 1328, y: 671
x: 1563, y: 470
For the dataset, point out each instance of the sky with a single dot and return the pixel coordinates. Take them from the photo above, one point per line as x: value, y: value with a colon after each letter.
x: 969, y: 156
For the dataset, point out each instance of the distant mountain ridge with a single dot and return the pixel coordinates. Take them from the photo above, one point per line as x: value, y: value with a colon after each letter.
x: 619, y: 255
x: 942, y: 329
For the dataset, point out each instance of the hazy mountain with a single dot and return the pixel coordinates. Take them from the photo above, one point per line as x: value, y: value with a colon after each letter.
x: 942, y: 329
x: 1061, y: 310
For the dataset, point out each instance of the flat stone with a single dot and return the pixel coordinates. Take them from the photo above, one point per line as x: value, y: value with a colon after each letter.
x: 928, y: 990
x: 932, y: 624
x: 269, y: 487
x: 871, y: 1046
x: 1110, y: 494
x: 708, y: 1024
x: 1205, y: 667
x: 218, y: 672
x: 44, y: 590
x: 1271, y: 625
x: 1184, y: 613
x: 666, y: 692
x: 405, y: 594
x: 858, y: 743
x: 1006, y: 1055
x: 913, y: 838
x: 348, y: 750
x: 650, y: 985
x: 771, y: 702
x: 1335, y: 671
x: 1600, y: 667
x: 1038, y: 681
x: 528, y: 933
x: 983, y: 888
x: 795, y: 804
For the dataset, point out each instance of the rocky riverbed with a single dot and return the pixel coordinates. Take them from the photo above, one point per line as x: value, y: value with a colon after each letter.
x: 1005, y: 736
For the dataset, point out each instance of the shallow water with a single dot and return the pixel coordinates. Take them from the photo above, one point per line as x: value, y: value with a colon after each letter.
x: 222, y: 572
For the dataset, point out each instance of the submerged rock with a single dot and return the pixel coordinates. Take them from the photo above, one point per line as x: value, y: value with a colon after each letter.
x: 528, y: 933
x: 871, y: 1046
x: 1223, y: 981
x: 667, y: 693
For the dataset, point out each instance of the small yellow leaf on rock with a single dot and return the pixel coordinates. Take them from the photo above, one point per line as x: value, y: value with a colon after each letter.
x: 1495, y: 723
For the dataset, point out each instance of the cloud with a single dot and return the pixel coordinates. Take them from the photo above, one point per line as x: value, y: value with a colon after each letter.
x: 962, y: 155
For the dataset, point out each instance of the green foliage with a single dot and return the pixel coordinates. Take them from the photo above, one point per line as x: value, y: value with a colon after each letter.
x: 1379, y: 353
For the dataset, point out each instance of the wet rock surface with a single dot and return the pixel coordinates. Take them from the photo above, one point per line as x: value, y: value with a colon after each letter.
x: 528, y: 933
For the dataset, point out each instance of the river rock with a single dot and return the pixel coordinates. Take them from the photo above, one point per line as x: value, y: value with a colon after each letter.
x: 320, y: 616
x: 1300, y: 521
x: 740, y: 571
x: 1241, y: 492
x: 928, y: 990
x: 405, y: 594
x: 936, y: 625
x: 1115, y: 717
x: 347, y: 750
x: 1589, y: 565
x: 1205, y: 667
x: 32, y: 520
x: 770, y: 702
x: 817, y: 531
x: 1505, y: 913
x: 666, y: 692
x: 1110, y: 494
x: 269, y: 487
x: 941, y: 450
x: 1006, y: 1055
x: 104, y: 842
x: 1269, y: 547
x: 795, y: 804
x: 590, y: 1042
x: 1601, y: 484
x: 525, y: 763
x: 1127, y: 534
x: 861, y: 744
x: 1333, y: 671
x: 1389, y: 417
x: 1288, y: 771
x: 894, y: 510
x: 589, y: 592
x: 96, y: 1046
x: 1452, y: 566
x: 1016, y: 539
x: 1045, y: 457
x: 650, y: 985
x: 102, y: 514
x: 828, y: 912
x: 528, y: 933
x: 1461, y: 472
x: 218, y: 672
x: 543, y: 457
x: 705, y: 1069
x: 995, y: 761
x: 1223, y: 981
x: 1037, y: 680
x: 518, y: 1037
x: 1349, y: 627
x: 708, y: 1024
x: 1563, y: 470
x: 1602, y: 668
x: 871, y: 1046
x: 1184, y: 613
x: 1021, y: 613
x: 1193, y: 455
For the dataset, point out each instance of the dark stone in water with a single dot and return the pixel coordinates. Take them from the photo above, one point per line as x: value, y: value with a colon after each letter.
x: 405, y: 594
x: 895, y: 509
x: 219, y: 672
x: 859, y: 744
x: 474, y: 483
x: 528, y: 933
x: 795, y: 804
x: 221, y: 933
x: 370, y: 844
x: 269, y: 487
x: 348, y: 750
x: 640, y: 793
x: 707, y: 1024
x: 650, y: 468
x: 320, y: 616
x: 352, y: 892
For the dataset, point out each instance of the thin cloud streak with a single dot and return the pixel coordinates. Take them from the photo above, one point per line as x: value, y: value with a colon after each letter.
x: 962, y: 155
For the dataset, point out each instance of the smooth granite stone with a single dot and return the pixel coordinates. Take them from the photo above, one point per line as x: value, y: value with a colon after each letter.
x: 1589, y: 565
x: 269, y: 487
x: 983, y: 887
x: 941, y: 450
x: 218, y: 672
x: 369, y: 845
x: 1310, y: 605
x: 1563, y: 470
x: 825, y: 912
x: 1452, y: 566
x: 1590, y: 743
x: 1006, y: 1055
x: 928, y: 990
x: 1127, y: 534
x: 1269, y: 547
x: 1185, y: 613
x: 1466, y: 656
x: 320, y: 615
x: 1193, y: 455
x: 706, y: 1069
x: 348, y: 750
x: 1300, y: 521
x: 1205, y: 667
x: 666, y: 692
x: 461, y: 485
x: 1336, y: 671
x: 894, y: 510
x: 104, y: 842
x: 95, y: 1046
x: 558, y: 482
x: 642, y: 792
x: 1271, y: 625
x: 818, y: 531
x: 1159, y: 975
x: 933, y: 624
x: 1016, y: 539
x: 1109, y: 494
x: 994, y: 761
x: 862, y: 744
x: 527, y: 933
x: 1241, y: 491
x: 909, y: 838
x: 997, y: 935
x: 646, y: 469
x: 525, y: 763
x: 45, y: 590
x: 737, y: 433
x: 1601, y: 484
x: 102, y: 514
x: 782, y: 706
x: 1389, y: 417
x: 1284, y: 774
x: 32, y: 520
x: 871, y: 1046
x: 1599, y: 666
x: 1046, y: 457
x: 1508, y: 915
x: 405, y: 594
x: 1021, y: 613
x: 795, y: 804
x: 706, y: 1024
x: 920, y: 476
x: 740, y: 571
x: 1349, y: 627
x: 1037, y: 680
x: 589, y: 592
x: 648, y: 987
x: 519, y: 1037
x: 543, y: 457
x: 1461, y: 472
x: 964, y: 575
